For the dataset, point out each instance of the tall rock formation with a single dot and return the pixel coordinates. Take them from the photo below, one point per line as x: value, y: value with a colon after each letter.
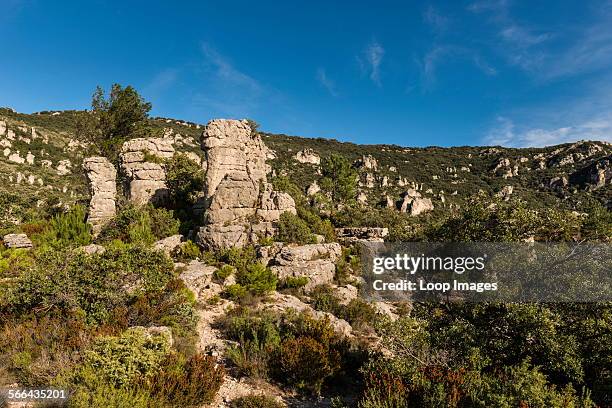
x: 142, y: 163
x: 240, y: 205
x: 102, y: 176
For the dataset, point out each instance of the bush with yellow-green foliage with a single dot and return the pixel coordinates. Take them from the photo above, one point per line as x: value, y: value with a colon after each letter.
x: 140, y: 225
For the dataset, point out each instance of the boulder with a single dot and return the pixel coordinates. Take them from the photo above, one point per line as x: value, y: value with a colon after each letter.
x: 64, y: 167
x: 92, y: 249
x: 197, y: 276
x: 169, y: 244
x: 313, y: 189
x: 416, y: 204
x: 142, y: 163
x: 15, y: 241
x: 101, y: 175
x: 308, y: 156
x: 240, y: 205
x: 367, y: 162
x: 317, y: 262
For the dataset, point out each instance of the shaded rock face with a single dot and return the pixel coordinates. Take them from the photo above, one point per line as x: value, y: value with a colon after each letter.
x: 354, y: 234
x: 414, y: 203
x: 315, y: 261
x: 101, y: 175
x: 141, y: 162
x: 17, y: 241
x: 240, y: 205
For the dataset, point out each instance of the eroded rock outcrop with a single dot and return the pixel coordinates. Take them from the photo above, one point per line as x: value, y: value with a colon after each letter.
x: 308, y: 156
x: 240, y: 205
x: 102, y: 176
x: 142, y: 163
x: 415, y: 204
x: 317, y: 262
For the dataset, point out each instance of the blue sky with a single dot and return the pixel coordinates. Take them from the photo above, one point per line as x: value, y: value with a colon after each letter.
x: 412, y: 73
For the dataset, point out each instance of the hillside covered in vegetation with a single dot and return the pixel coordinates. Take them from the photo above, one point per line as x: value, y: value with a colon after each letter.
x: 222, y: 267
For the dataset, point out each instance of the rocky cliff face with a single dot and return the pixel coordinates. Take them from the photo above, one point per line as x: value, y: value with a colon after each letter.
x: 240, y: 205
x: 101, y: 175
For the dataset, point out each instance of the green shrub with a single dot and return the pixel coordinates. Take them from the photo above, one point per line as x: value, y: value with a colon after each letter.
x: 257, y: 279
x: 188, y: 383
x: 73, y: 282
x: 358, y: 313
x: 251, y: 357
x: 256, y: 401
x: 235, y: 292
x: 224, y: 272
x: 95, y: 391
x: 68, y: 229
x: 188, y: 251
x: 294, y: 282
x: 132, y: 355
x: 143, y: 225
x: 13, y: 262
x: 323, y: 298
x: 306, y: 363
x: 293, y: 229
x: 184, y: 179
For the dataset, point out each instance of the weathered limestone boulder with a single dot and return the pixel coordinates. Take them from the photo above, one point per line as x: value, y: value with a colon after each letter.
x: 15, y: 241
x: 346, y: 293
x: 2, y: 127
x: 354, y: 234
x: 308, y: 156
x: 169, y: 244
x: 279, y: 302
x: 558, y: 182
x: 142, y: 163
x: 273, y: 204
x: 505, y: 193
x: 601, y: 173
x: 102, y: 176
x: 416, y: 204
x: 313, y: 189
x: 64, y: 167
x: 16, y: 158
x: 198, y: 277
x: 315, y: 261
x: 367, y: 162
x: 362, y: 198
x: 240, y: 205
x: 92, y: 249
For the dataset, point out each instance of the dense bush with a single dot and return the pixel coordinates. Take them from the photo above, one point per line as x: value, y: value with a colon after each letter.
x: 143, y: 225
x: 256, y: 401
x: 293, y: 229
x: 69, y: 282
x: 297, y: 350
x: 189, y: 383
x: 132, y: 355
x: 185, y: 179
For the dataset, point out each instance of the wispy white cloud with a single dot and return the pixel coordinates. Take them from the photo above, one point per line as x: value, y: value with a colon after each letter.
x: 373, y: 55
x: 326, y: 82
x: 549, y: 54
x: 506, y: 133
x: 437, y: 21
x: 442, y: 54
x: 227, y: 90
x: 161, y: 81
x: 226, y: 72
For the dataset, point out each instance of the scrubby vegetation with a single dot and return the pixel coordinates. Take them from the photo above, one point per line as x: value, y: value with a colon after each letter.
x: 118, y: 326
